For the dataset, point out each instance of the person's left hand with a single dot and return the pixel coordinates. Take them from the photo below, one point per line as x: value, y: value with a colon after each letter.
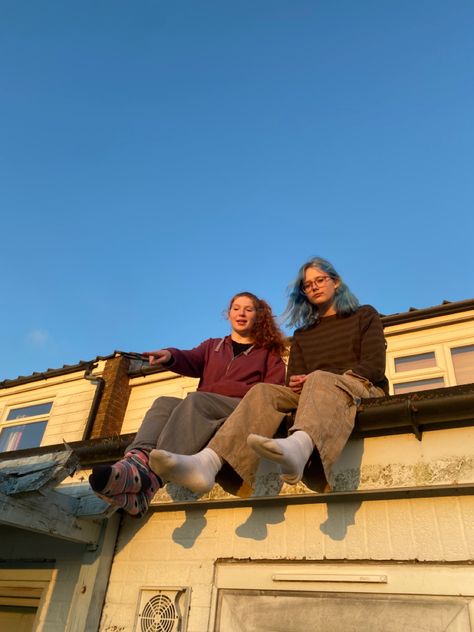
x: 161, y: 356
x: 296, y: 383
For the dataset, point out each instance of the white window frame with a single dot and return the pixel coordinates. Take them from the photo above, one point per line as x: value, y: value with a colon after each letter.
x: 444, y: 363
x: 6, y: 423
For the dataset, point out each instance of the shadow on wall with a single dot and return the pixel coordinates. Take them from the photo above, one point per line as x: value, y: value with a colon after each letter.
x: 339, y: 515
x: 346, y: 478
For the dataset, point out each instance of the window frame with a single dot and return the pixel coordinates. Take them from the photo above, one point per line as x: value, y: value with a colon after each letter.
x: 6, y: 423
x: 403, y: 579
x: 443, y: 357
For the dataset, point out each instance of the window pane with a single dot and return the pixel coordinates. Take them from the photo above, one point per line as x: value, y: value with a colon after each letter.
x: 22, y: 437
x: 30, y: 411
x: 418, y: 385
x: 413, y: 362
x: 349, y: 612
x: 463, y: 362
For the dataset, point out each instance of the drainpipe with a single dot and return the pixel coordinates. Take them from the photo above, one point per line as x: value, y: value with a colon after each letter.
x: 99, y: 389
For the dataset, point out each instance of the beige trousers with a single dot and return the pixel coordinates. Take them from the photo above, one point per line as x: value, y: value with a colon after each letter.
x: 325, y: 410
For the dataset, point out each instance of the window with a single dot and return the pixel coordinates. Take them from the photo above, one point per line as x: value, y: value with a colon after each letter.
x: 463, y: 363
x: 415, y: 362
x: 29, y: 433
x: 418, y: 385
x: 283, y: 611
x: 349, y: 597
x: 21, y: 593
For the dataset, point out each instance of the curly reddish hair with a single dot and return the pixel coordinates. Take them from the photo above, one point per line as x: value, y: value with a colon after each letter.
x: 266, y: 333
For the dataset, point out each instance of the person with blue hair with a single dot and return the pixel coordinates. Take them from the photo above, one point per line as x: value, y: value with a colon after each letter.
x: 337, y: 357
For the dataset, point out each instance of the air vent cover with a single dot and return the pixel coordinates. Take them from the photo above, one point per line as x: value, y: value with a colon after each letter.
x: 162, y: 610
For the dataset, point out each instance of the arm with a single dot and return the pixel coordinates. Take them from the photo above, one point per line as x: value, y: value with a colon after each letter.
x: 296, y: 373
x: 189, y: 362
x: 275, y: 371
x: 372, y: 347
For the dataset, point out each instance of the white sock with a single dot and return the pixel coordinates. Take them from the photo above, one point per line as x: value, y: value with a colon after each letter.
x: 291, y: 453
x: 197, y: 472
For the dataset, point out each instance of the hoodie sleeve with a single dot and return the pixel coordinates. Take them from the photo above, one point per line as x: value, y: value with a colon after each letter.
x: 275, y: 373
x: 189, y: 362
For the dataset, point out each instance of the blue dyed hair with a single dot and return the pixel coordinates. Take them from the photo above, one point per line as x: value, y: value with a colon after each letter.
x: 300, y: 312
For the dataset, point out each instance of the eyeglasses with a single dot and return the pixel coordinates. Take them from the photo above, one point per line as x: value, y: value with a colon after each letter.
x: 318, y: 282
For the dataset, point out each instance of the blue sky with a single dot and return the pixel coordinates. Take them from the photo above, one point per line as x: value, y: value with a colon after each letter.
x: 156, y: 157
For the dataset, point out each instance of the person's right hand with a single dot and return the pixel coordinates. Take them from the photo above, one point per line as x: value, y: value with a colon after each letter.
x: 157, y: 357
x: 296, y: 383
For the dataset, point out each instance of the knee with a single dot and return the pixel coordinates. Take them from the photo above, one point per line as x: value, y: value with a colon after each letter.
x: 321, y: 378
x: 260, y: 391
x: 162, y: 401
x: 193, y: 398
x: 163, y: 404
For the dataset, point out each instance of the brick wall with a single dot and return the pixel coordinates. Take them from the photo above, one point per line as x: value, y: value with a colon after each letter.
x: 110, y: 415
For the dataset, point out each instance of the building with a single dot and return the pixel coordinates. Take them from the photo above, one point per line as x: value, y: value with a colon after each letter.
x: 391, y: 548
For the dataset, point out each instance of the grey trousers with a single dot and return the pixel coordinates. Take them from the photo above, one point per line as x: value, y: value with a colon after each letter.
x: 183, y: 426
x: 325, y: 410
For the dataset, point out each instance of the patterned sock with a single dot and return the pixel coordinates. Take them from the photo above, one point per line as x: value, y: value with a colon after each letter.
x: 130, y: 475
x: 291, y: 453
x: 196, y: 472
x: 135, y: 505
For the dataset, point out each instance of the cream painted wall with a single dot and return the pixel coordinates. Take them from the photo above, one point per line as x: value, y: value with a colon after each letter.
x: 146, y: 389
x: 182, y: 548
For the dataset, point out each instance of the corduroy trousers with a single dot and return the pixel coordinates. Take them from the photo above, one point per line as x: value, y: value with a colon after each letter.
x: 325, y: 410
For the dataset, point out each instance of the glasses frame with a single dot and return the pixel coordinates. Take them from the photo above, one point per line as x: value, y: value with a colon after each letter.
x: 314, y: 282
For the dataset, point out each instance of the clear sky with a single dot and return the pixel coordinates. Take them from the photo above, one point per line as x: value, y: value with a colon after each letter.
x: 158, y: 156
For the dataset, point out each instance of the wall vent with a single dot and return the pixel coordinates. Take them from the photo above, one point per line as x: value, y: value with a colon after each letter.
x: 162, y: 610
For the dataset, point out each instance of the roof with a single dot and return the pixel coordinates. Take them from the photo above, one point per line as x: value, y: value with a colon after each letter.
x: 139, y: 367
x: 82, y: 365
x: 414, y: 313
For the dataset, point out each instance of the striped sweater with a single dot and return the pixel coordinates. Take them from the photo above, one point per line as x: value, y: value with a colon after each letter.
x: 342, y: 343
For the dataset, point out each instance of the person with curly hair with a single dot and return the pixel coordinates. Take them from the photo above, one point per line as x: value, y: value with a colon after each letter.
x: 227, y: 368
x: 337, y: 357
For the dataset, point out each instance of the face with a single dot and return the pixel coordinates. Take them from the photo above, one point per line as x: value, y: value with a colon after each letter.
x: 242, y: 315
x: 320, y: 290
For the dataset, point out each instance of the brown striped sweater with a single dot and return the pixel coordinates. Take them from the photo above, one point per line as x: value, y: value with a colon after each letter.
x: 342, y: 343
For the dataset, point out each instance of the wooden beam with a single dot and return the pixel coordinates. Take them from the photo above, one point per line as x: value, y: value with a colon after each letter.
x: 35, y: 472
x: 48, y: 514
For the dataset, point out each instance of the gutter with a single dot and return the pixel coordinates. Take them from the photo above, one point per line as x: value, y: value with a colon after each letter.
x: 415, y: 412
x: 99, y: 389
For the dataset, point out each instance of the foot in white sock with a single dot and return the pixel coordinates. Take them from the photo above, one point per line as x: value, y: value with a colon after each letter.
x: 196, y: 472
x: 291, y: 453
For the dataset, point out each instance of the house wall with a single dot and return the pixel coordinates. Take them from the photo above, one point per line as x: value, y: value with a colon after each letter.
x: 186, y: 548
x: 183, y: 548
x: 210, y: 548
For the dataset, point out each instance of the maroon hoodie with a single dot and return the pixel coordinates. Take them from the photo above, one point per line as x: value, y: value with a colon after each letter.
x: 219, y: 372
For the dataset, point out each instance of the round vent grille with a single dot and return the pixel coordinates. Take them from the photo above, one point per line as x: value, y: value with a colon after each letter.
x: 159, y: 615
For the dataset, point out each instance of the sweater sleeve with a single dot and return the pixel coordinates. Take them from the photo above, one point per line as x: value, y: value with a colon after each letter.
x: 189, y: 362
x: 296, y: 363
x: 372, y: 347
x: 275, y: 371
